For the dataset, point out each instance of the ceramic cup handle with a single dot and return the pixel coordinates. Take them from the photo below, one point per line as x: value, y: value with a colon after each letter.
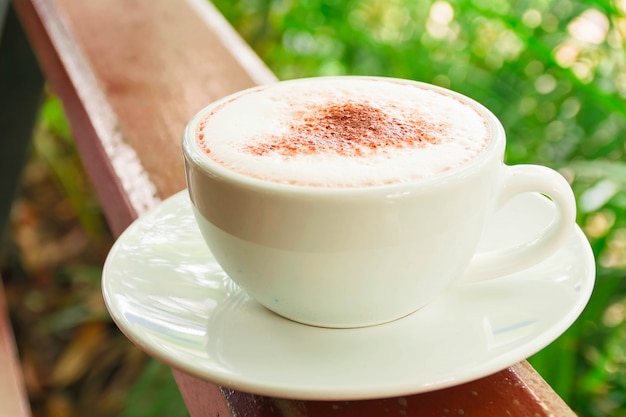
x: 523, y: 179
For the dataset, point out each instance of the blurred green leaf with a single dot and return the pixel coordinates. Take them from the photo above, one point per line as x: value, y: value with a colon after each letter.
x: 54, y: 144
x: 154, y: 394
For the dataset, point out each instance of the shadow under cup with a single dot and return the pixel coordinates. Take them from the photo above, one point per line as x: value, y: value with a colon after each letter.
x: 345, y: 257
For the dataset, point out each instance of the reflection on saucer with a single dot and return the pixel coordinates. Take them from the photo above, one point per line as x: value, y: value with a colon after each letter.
x: 507, y: 333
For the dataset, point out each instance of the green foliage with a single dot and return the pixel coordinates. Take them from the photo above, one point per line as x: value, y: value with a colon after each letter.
x: 53, y: 143
x: 553, y: 71
x: 154, y: 394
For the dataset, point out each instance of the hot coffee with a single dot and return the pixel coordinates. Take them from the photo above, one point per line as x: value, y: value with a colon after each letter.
x: 343, y: 133
x: 341, y: 249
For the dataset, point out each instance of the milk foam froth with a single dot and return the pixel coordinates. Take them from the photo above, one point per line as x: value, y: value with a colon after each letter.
x: 347, y: 132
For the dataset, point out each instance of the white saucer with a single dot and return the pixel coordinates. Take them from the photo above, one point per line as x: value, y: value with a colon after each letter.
x: 167, y: 294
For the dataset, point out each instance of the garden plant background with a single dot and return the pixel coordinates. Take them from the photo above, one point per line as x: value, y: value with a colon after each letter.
x: 553, y: 71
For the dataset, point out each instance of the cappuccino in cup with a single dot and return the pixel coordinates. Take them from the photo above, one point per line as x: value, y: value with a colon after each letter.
x: 341, y: 133
x: 353, y: 201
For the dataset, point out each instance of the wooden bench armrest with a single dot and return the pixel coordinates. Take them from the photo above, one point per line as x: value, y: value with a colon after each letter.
x: 130, y: 75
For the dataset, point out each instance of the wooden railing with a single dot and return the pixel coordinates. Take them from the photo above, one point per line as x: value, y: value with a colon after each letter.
x: 130, y: 74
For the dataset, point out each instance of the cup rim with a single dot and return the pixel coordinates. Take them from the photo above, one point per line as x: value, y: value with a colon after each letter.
x: 196, y: 156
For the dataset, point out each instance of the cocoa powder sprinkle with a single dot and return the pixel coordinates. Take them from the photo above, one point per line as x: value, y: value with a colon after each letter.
x: 349, y: 129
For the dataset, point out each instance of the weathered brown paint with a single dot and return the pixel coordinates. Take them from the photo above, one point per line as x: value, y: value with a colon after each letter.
x: 141, y: 70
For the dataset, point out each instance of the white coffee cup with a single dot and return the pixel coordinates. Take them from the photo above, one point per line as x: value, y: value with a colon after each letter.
x: 351, y: 256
